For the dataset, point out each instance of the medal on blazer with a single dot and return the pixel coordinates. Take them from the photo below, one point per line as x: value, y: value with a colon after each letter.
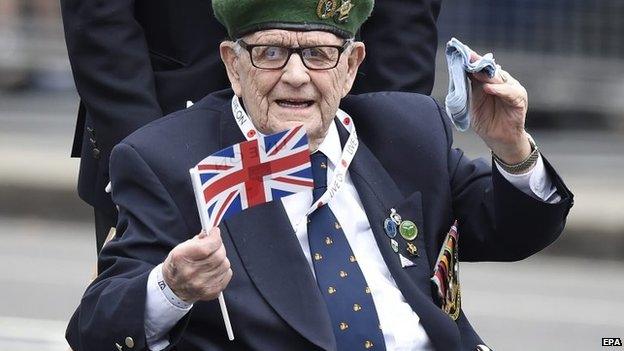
x: 409, y: 231
x: 340, y: 172
x: 390, y: 228
x: 445, y: 279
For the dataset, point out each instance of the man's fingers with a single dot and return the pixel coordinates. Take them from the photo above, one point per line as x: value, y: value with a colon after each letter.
x: 482, y: 77
x: 510, y: 94
x: 198, y: 268
x: 201, y: 246
x: 226, y: 278
x: 215, y: 273
x: 201, y: 234
x: 501, y: 77
x: 474, y: 56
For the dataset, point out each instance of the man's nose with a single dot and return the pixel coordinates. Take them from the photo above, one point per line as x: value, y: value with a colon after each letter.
x: 295, y: 72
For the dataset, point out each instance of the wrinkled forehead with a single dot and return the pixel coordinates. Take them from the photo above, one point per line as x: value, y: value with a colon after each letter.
x: 293, y: 38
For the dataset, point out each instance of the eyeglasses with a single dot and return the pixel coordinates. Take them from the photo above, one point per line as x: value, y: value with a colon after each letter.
x: 274, y: 57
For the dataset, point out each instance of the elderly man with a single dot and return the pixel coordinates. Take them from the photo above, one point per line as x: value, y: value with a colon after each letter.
x: 343, y: 279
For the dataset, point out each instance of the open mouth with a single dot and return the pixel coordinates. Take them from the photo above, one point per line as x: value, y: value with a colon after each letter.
x: 294, y: 103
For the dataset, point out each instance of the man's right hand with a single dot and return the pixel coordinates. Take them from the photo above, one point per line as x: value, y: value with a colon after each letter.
x: 198, y: 268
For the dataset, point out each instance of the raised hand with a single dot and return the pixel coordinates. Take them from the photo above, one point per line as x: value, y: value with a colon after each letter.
x: 499, y: 108
x: 198, y: 269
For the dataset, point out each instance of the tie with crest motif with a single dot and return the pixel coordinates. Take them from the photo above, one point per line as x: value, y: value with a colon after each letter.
x: 347, y: 295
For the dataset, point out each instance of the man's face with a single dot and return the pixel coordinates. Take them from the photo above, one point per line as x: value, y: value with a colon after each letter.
x: 277, y: 100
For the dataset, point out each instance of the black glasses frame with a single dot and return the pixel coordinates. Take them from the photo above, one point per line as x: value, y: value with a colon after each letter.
x: 298, y: 51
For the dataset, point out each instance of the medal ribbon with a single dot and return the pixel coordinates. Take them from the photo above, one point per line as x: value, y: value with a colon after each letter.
x: 340, y: 172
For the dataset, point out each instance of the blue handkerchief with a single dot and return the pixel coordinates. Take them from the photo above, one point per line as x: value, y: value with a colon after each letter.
x: 458, y: 98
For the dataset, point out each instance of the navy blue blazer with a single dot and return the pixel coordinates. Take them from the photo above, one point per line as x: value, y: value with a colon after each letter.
x: 405, y: 161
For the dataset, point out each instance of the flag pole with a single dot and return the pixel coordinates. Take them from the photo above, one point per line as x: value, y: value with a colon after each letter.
x: 205, y: 222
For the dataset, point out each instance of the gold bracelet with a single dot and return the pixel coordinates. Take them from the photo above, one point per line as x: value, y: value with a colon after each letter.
x: 522, y: 166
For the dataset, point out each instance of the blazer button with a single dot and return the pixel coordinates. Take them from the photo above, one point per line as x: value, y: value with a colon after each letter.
x: 96, y: 153
x: 129, y: 342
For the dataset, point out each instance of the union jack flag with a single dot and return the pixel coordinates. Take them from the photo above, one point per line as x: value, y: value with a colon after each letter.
x: 252, y: 173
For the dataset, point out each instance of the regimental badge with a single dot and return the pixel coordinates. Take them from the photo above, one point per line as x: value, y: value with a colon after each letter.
x: 408, y: 230
x: 406, y: 262
x: 395, y: 245
x: 326, y: 8
x: 390, y: 228
x: 412, y: 249
x: 396, y: 218
x: 394, y: 225
x: 343, y: 11
x: 445, y: 279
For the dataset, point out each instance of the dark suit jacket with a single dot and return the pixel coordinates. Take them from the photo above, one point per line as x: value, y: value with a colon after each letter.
x: 133, y: 62
x: 405, y: 161
x: 401, y: 41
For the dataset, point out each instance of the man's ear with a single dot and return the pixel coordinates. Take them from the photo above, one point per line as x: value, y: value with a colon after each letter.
x: 355, y: 59
x: 230, y: 60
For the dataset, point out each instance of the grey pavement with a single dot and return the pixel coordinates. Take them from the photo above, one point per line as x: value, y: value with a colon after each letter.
x: 46, y: 267
x: 541, y: 304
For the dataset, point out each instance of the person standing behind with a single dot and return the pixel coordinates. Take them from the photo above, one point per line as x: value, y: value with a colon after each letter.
x: 402, y: 39
x: 133, y: 62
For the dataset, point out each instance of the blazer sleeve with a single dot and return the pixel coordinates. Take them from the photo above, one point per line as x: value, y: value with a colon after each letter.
x: 110, y: 61
x: 497, y: 221
x: 150, y: 225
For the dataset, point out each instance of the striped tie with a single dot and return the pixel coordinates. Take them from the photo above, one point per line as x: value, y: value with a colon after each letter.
x: 347, y: 295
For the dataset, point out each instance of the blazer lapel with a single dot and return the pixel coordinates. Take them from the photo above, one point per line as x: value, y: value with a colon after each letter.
x: 379, y: 193
x: 272, y: 256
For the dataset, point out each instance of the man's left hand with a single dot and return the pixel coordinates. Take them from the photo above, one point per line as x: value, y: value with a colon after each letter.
x: 499, y: 107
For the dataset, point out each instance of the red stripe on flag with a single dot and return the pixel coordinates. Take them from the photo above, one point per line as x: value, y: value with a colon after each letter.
x: 254, y: 185
x: 263, y: 169
x: 295, y: 181
x: 289, y: 136
x: 205, y: 167
x: 225, y: 205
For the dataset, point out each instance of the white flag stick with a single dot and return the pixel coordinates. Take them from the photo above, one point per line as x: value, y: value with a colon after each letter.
x: 205, y: 221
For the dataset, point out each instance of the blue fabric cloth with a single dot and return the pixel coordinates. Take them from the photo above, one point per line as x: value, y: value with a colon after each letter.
x: 458, y: 97
x: 348, y: 298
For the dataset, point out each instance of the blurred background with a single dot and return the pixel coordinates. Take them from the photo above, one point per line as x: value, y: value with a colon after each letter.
x: 569, y: 54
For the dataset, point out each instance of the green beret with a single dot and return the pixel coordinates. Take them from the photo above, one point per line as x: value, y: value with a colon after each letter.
x: 341, y: 17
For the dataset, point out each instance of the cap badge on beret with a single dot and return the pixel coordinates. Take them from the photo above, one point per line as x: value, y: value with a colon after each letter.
x: 344, y: 10
x: 329, y: 8
x: 326, y: 8
x: 340, y: 17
